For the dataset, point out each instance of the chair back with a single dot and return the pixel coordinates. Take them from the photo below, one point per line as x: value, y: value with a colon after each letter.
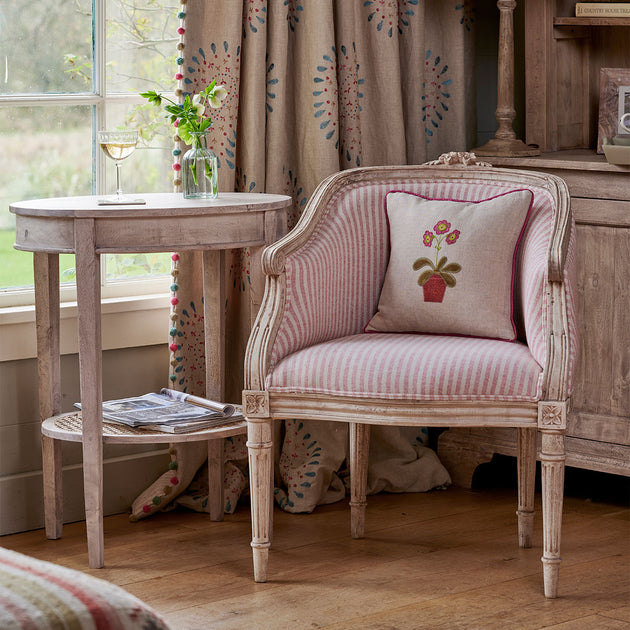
x: 352, y: 219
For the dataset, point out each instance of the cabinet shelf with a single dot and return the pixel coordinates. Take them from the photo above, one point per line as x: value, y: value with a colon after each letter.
x: 591, y: 21
x: 569, y: 159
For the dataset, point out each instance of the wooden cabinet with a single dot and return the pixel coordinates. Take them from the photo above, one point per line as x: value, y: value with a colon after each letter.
x: 563, y: 58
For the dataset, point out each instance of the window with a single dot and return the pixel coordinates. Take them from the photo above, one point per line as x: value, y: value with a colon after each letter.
x: 68, y: 69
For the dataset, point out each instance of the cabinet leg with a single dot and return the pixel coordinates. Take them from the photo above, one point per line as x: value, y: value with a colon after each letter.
x: 459, y: 458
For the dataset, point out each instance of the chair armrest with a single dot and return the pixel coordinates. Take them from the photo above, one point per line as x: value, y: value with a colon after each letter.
x: 309, y: 280
x: 547, y: 288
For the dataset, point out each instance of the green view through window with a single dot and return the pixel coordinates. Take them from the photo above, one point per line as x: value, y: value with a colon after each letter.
x: 68, y: 69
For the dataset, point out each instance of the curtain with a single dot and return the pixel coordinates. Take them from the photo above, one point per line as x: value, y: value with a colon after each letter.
x: 314, y: 86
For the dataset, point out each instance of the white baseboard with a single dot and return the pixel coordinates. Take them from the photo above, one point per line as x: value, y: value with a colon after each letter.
x: 21, y: 495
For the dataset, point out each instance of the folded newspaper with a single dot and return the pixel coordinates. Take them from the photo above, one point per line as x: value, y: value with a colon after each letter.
x: 169, y: 411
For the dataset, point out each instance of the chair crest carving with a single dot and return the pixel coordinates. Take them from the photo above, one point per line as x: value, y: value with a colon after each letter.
x: 458, y: 157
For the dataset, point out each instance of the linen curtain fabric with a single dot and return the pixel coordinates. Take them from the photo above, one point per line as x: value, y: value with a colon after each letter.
x: 314, y: 86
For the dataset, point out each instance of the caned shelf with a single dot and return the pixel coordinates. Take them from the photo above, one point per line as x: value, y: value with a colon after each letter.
x: 69, y: 427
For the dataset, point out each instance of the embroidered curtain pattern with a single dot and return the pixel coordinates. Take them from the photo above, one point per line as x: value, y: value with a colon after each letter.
x: 314, y: 86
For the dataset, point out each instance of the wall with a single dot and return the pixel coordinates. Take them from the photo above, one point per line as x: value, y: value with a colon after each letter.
x: 128, y: 469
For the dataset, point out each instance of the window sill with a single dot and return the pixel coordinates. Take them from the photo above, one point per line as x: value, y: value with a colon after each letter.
x: 126, y: 323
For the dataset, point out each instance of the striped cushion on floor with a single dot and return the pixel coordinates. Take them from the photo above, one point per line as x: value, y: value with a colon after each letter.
x: 38, y: 595
x: 412, y: 367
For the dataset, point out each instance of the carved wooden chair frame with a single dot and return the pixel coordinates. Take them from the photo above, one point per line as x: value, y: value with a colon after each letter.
x: 548, y: 415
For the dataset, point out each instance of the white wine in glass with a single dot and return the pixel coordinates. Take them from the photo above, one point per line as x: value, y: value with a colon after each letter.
x: 118, y: 145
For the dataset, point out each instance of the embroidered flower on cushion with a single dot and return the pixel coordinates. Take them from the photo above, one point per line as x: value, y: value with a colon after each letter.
x: 452, y: 237
x: 439, y: 274
x: 442, y: 226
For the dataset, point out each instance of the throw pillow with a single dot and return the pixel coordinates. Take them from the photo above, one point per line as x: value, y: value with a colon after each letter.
x: 451, y: 266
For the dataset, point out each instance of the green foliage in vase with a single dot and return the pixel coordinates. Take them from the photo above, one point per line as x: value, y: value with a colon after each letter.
x: 190, y: 116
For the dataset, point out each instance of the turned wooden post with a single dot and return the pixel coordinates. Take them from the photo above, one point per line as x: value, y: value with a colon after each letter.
x: 552, y: 422
x: 260, y: 451
x: 505, y: 142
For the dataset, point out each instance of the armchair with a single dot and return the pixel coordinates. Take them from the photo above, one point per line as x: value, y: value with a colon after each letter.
x: 309, y: 355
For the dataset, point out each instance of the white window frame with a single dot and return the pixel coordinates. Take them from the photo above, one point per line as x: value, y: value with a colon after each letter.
x: 17, y: 306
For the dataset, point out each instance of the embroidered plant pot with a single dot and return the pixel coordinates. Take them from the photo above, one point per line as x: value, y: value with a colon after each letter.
x: 199, y: 170
x: 434, y: 288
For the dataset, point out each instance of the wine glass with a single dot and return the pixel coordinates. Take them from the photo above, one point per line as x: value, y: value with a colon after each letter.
x: 118, y: 145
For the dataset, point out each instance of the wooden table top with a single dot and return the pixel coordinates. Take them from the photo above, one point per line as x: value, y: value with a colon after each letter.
x: 167, y: 222
x: 157, y: 204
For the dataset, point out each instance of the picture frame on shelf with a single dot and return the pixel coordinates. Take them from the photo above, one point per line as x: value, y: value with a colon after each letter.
x: 624, y: 108
x: 614, y: 96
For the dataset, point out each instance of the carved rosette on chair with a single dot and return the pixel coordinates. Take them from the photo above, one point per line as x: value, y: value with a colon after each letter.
x: 308, y: 350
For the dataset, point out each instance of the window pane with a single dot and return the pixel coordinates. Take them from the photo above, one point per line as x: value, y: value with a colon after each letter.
x: 50, y: 156
x: 45, y: 46
x: 148, y: 169
x: 140, y: 45
x: 140, y: 56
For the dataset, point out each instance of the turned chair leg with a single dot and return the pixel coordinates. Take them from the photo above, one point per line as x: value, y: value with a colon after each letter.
x: 552, y: 458
x: 260, y: 449
x: 359, y: 449
x: 526, y: 464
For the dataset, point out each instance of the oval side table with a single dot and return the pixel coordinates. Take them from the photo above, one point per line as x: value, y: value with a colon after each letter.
x: 166, y: 223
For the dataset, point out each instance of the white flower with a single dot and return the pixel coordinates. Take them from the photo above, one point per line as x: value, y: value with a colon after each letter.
x: 198, y: 106
x: 216, y: 96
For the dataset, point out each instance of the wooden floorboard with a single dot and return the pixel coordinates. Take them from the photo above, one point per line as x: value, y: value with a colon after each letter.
x: 442, y: 560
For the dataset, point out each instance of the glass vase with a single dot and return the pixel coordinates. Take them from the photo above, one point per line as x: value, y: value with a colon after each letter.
x: 199, y: 170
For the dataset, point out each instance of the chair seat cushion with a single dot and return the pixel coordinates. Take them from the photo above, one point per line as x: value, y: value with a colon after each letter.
x: 411, y: 367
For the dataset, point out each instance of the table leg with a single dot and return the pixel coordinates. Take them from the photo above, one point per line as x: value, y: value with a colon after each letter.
x: 90, y: 369
x: 46, y: 273
x: 214, y: 333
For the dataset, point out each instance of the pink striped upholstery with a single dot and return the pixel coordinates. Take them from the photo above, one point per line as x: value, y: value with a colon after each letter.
x: 334, y: 281
x: 411, y: 367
